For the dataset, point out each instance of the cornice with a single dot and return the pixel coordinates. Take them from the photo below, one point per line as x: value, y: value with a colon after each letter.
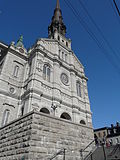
x: 32, y: 114
x: 70, y: 67
x: 13, y: 51
x: 2, y: 44
x: 29, y: 93
x: 9, y: 95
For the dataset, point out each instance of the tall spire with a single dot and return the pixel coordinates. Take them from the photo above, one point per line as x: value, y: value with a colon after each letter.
x: 57, y: 22
x: 58, y: 4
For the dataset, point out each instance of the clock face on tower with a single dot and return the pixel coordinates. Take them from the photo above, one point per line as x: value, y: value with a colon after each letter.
x: 64, y: 79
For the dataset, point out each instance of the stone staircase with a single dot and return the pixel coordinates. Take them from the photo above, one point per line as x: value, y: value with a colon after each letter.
x: 104, y: 153
x: 97, y: 153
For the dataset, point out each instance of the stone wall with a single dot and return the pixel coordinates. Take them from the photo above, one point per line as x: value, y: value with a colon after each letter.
x: 38, y: 136
x: 15, y: 139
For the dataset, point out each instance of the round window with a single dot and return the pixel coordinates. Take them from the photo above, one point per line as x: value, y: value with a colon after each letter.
x: 64, y: 78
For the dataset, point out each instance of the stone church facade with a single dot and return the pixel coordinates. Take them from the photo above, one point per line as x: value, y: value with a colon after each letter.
x: 48, y: 78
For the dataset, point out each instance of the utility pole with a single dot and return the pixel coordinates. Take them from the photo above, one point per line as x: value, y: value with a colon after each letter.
x: 116, y: 7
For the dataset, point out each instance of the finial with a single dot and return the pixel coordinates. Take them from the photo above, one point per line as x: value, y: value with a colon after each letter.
x: 20, y: 42
x: 58, y: 4
x: 21, y: 38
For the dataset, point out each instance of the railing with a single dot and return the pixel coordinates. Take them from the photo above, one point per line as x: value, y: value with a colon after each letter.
x: 88, y: 153
x: 84, y: 153
x: 106, y: 153
x: 113, y: 154
x: 61, y: 152
x: 88, y: 150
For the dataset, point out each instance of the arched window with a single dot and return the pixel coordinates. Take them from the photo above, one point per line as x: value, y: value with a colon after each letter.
x: 16, y: 69
x: 67, y: 44
x: 78, y: 86
x: 82, y: 122
x: 22, y: 110
x: 117, y: 140
x: 65, y: 116
x: 45, y: 110
x: 58, y: 38
x: 66, y: 57
x: 5, y: 117
x: 29, y: 68
x: 39, y: 65
x: 63, y: 55
x: 46, y: 72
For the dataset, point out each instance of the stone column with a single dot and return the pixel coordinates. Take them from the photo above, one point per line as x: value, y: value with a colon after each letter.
x: 73, y: 83
x: 73, y: 88
x: 56, y: 96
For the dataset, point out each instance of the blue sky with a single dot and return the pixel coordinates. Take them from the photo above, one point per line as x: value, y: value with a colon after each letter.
x: 31, y: 19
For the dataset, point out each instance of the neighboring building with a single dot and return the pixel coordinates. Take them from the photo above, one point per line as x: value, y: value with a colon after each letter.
x: 44, y: 103
x: 109, y: 134
x: 48, y: 78
x: 101, y: 133
x: 114, y: 134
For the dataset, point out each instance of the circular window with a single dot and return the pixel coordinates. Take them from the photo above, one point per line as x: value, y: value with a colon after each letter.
x: 21, y: 50
x: 12, y: 90
x: 64, y: 78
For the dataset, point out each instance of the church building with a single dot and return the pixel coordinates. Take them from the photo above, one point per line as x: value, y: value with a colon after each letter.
x: 48, y: 78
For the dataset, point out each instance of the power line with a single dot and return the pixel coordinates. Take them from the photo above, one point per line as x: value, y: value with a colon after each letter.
x: 114, y: 11
x: 91, y: 34
x: 116, y: 7
x: 99, y: 30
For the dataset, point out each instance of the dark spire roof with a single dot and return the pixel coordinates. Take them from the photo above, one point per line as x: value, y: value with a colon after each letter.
x: 58, y: 4
x: 57, y: 22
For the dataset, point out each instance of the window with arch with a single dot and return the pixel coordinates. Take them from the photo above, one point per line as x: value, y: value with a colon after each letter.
x: 82, y: 122
x: 67, y: 44
x: 63, y: 55
x: 58, y: 38
x: 5, y: 117
x: 66, y: 57
x: 65, y: 116
x: 46, y: 72
x: 117, y: 140
x: 78, y: 86
x: 45, y: 110
x: 16, y: 70
x: 22, y: 110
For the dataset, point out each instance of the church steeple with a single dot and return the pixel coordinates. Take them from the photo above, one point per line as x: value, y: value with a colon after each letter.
x: 58, y: 4
x: 57, y: 22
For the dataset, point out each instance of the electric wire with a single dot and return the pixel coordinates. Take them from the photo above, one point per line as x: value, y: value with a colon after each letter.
x: 114, y: 11
x: 91, y: 34
x: 116, y: 7
x: 100, y: 31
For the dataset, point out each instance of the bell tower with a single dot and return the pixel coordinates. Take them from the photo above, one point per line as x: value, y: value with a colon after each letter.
x: 57, y: 23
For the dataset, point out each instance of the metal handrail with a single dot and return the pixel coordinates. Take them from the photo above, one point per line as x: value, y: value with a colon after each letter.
x: 88, y: 145
x: 84, y: 150
x: 58, y: 153
x: 90, y: 153
x: 116, y: 147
